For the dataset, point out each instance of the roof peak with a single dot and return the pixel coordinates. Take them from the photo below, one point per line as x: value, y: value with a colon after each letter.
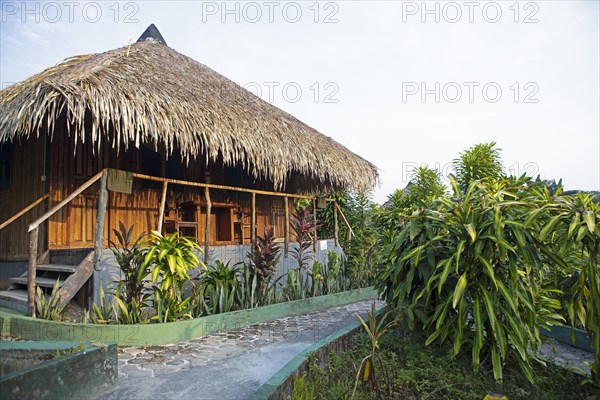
x: 152, y: 33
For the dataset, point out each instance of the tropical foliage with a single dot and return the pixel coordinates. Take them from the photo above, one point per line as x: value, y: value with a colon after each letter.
x: 169, y: 259
x: 486, y: 268
x: 49, y: 306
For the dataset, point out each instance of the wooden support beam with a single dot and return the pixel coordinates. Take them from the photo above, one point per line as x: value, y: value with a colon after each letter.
x: 253, y: 222
x: 350, y: 232
x: 316, y: 235
x: 100, y: 218
x: 33, y: 245
x: 23, y: 211
x: 220, y: 187
x: 161, y: 210
x: 335, y: 225
x: 286, y: 227
x: 207, y: 226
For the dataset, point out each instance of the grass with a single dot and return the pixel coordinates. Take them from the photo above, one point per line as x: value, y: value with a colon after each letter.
x: 419, y: 372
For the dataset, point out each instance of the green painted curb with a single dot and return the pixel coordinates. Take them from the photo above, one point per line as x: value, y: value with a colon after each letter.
x: 292, y: 367
x: 562, y: 333
x: 266, y: 390
x: 14, y: 324
x: 86, y: 371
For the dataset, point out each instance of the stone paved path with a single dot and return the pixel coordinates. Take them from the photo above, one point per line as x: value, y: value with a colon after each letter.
x: 567, y: 356
x: 224, y: 365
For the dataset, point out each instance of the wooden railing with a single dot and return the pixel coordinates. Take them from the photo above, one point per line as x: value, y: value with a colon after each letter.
x: 254, y: 192
x: 34, y: 229
x: 23, y: 211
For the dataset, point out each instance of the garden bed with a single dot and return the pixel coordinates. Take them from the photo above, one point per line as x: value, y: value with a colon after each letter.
x: 415, y: 372
x: 14, y: 324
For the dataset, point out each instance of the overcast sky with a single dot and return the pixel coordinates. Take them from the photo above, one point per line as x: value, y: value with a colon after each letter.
x: 397, y: 83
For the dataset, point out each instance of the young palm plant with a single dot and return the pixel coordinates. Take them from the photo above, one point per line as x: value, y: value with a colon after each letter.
x: 220, y: 284
x: 130, y: 295
x: 375, y: 330
x: 170, y: 258
x: 49, y: 307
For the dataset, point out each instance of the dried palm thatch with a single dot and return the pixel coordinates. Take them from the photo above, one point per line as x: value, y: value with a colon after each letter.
x: 149, y: 93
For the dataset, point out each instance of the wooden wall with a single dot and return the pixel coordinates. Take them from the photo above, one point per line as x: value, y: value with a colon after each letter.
x: 26, y: 171
x: 71, y: 164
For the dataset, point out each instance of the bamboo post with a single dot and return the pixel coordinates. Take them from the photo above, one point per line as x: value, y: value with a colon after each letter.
x: 33, y: 245
x: 161, y: 210
x: 349, y: 232
x: 286, y: 227
x: 253, y: 222
x: 316, y: 236
x: 207, y: 224
x: 100, y: 217
x: 335, y: 225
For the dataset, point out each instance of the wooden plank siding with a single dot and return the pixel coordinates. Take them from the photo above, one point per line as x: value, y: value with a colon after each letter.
x: 26, y: 185
x: 71, y: 164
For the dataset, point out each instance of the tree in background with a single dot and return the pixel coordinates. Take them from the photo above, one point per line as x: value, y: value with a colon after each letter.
x: 482, y: 161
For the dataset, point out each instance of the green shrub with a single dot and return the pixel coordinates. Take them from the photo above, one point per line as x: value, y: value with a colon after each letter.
x: 221, y: 286
x: 49, y: 307
x: 468, y: 269
x: 170, y: 258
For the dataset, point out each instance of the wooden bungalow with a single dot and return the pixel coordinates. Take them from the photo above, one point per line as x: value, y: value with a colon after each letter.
x: 149, y: 137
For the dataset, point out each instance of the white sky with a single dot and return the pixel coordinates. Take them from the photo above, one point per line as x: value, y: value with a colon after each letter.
x: 371, y: 57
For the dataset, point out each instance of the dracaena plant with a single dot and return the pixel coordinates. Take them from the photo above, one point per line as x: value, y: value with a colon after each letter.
x: 221, y: 286
x: 304, y: 227
x: 468, y: 269
x: 572, y: 228
x: 129, y: 254
x: 170, y: 258
x: 265, y: 254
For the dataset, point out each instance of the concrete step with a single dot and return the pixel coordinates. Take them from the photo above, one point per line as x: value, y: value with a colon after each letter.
x: 14, y: 295
x: 42, y: 282
x: 57, y: 268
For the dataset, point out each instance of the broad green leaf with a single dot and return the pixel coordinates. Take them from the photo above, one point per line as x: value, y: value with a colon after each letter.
x: 432, y: 338
x: 549, y: 227
x: 471, y: 230
x: 488, y: 269
x: 573, y: 225
x: 459, y: 290
x: 444, y: 275
x: 489, y: 306
x: 496, y: 364
x: 590, y: 221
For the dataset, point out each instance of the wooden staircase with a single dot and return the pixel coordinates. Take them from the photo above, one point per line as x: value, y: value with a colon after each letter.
x: 71, y: 278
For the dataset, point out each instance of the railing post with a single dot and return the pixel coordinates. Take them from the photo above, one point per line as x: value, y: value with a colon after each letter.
x: 316, y: 236
x: 33, y: 245
x: 253, y: 223
x: 100, y: 217
x: 335, y: 224
x: 286, y: 227
x: 161, y: 210
x: 207, y: 226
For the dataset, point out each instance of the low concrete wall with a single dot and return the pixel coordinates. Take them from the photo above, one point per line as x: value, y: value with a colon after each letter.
x: 110, y: 272
x: 281, y: 385
x: 562, y: 333
x: 14, y: 324
x: 82, y: 370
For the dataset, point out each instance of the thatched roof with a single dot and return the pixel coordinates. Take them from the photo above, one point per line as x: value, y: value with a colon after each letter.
x: 149, y: 93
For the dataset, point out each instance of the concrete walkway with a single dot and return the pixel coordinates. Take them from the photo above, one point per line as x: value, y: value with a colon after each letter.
x: 225, y: 365
x: 566, y: 356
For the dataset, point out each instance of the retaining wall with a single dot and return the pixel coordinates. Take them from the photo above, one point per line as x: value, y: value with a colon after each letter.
x: 15, y: 324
